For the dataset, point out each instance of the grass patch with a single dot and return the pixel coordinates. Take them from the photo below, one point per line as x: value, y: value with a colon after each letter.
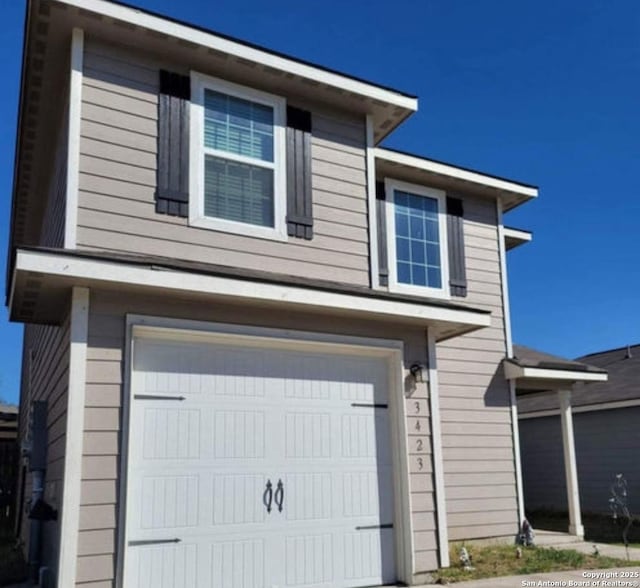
x: 13, y: 568
x: 598, y: 528
x: 491, y: 561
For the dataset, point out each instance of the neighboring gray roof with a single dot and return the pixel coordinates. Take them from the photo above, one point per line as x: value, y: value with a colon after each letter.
x: 8, y: 409
x: 623, y: 382
x: 528, y: 357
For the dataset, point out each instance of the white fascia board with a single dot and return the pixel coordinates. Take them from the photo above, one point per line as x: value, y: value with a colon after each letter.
x: 457, y: 173
x: 513, y: 372
x: 108, y: 272
x: 517, y: 234
x: 579, y: 409
x: 237, y: 49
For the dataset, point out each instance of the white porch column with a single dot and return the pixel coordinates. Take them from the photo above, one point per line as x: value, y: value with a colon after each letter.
x: 570, y: 467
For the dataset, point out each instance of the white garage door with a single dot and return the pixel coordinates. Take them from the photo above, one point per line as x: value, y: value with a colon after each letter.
x: 258, y: 467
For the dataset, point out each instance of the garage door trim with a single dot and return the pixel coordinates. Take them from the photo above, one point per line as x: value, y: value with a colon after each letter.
x: 179, y: 330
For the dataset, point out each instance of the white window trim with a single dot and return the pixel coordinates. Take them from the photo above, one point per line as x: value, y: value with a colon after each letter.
x: 197, y: 150
x: 391, y: 186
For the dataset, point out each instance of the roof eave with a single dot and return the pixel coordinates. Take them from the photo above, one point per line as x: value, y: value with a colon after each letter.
x: 503, y: 187
x: 515, y: 371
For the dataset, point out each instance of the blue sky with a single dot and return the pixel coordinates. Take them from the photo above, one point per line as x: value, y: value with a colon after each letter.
x: 545, y: 92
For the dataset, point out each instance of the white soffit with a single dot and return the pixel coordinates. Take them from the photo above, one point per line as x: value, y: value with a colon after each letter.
x: 515, y: 237
x: 210, y: 40
x: 458, y: 173
x: 517, y: 372
x: 87, y: 271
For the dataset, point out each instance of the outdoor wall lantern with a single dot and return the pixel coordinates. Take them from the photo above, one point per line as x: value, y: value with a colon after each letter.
x: 417, y: 371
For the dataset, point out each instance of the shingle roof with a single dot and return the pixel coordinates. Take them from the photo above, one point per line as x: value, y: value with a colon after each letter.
x: 623, y: 367
x: 528, y: 357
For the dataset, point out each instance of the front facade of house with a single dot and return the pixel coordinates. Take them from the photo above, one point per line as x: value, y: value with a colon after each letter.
x: 270, y: 349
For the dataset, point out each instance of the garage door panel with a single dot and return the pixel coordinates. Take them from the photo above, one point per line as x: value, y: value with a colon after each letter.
x: 171, y: 432
x: 238, y: 499
x: 240, y: 563
x: 367, y: 557
x: 164, y: 566
x: 232, y: 418
x: 169, y: 502
x: 238, y: 434
x: 365, y: 436
x: 309, y: 560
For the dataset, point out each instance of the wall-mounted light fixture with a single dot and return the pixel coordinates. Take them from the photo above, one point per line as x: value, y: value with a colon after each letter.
x: 417, y: 371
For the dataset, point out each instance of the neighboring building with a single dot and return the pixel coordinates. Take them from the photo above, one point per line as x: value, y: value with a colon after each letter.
x: 8, y: 423
x: 607, y: 437
x: 271, y: 350
x: 8, y: 465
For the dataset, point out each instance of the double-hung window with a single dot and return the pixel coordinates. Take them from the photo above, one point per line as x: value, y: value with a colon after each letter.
x: 237, y: 159
x: 416, y: 228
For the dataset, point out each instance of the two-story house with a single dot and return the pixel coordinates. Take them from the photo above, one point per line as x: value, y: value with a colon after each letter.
x: 268, y: 351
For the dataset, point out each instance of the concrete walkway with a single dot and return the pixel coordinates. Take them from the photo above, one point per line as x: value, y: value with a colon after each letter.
x: 590, y: 579
x: 566, y: 541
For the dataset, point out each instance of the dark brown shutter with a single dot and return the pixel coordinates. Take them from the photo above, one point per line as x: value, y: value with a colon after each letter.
x: 381, y: 219
x: 172, y: 190
x: 455, y: 242
x: 299, y: 205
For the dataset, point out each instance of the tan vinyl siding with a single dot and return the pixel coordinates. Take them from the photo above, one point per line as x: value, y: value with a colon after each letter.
x: 53, y: 221
x: 102, y: 437
x: 477, y: 434
x: 118, y: 174
x: 46, y: 378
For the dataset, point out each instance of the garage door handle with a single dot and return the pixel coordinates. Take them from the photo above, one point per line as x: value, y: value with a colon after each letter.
x: 267, y: 497
x: 154, y: 541
x: 280, y: 494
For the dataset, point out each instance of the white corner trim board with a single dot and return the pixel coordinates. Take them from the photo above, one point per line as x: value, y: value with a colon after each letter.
x: 506, y: 307
x: 455, y: 172
x: 73, y: 155
x: 237, y: 49
x: 70, y: 516
x: 92, y: 270
x: 372, y: 208
x: 438, y: 460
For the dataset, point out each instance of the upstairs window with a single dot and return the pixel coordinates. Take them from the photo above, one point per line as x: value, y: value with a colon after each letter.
x: 238, y: 159
x: 416, y: 225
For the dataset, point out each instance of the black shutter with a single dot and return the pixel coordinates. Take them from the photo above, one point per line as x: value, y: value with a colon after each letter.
x: 455, y: 242
x: 299, y: 212
x: 381, y: 219
x: 172, y: 191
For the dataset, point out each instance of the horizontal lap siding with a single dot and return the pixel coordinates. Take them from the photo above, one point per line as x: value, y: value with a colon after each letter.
x: 607, y: 444
x: 542, y: 458
x: 477, y: 437
x: 53, y: 222
x: 46, y: 378
x: 118, y: 173
x: 102, y: 437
